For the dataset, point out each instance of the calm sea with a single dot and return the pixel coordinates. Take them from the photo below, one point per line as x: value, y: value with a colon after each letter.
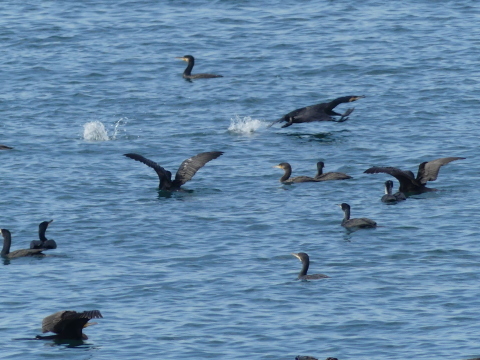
x: 208, y: 274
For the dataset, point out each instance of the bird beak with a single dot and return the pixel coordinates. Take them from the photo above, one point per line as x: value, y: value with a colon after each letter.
x: 355, y: 98
x: 296, y: 255
x: 339, y: 205
x: 181, y: 58
x: 89, y: 324
x: 278, y: 166
x: 50, y: 221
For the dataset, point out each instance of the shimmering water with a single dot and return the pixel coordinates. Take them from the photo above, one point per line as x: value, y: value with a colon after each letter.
x: 208, y: 274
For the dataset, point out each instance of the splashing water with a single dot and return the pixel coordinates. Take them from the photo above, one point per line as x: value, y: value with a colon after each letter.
x: 95, y: 131
x: 245, y: 125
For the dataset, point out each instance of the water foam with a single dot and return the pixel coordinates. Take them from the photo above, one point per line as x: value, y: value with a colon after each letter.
x: 96, y: 131
x: 245, y: 125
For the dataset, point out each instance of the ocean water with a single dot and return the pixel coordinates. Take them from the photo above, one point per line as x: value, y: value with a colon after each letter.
x: 208, y: 273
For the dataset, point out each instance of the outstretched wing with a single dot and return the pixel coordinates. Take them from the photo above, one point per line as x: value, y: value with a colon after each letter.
x: 404, y: 177
x: 189, y: 167
x: 161, y: 172
x: 428, y: 171
x: 56, y: 322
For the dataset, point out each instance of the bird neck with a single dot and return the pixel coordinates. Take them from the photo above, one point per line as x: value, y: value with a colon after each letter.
x: 7, y: 242
x: 287, y: 174
x: 304, y: 270
x: 41, y: 235
x: 188, y: 70
x: 319, y: 170
x: 388, y: 190
x: 346, y: 214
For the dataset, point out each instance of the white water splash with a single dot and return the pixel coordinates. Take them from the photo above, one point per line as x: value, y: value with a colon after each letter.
x: 96, y: 131
x: 245, y: 125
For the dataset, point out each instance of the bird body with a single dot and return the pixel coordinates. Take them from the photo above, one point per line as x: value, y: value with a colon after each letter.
x: 389, y: 197
x: 187, y: 74
x: 7, y: 242
x: 5, y: 147
x: 68, y: 325
x: 286, y: 179
x: 318, y: 112
x: 302, y: 275
x: 329, y: 175
x: 185, y: 172
x: 409, y: 184
x: 43, y: 243
x: 362, y: 223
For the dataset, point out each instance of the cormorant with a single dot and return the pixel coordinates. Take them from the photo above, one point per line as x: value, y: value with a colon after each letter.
x: 359, y: 222
x: 302, y: 275
x: 7, y: 242
x: 5, y: 147
x: 68, y: 325
x: 286, y: 179
x: 329, y: 175
x: 300, y: 357
x: 187, y: 74
x: 427, y: 171
x: 318, y: 112
x: 389, y: 197
x: 185, y: 172
x: 43, y: 243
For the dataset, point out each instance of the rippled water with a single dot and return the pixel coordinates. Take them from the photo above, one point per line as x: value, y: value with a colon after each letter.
x: 208, y: 273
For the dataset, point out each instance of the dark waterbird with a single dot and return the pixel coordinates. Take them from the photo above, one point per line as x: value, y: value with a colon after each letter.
x: 185, y: 172
x: 5, y: 147
x: 389, y: 197
x: 68, y: 325
x: 286, y: 179
x: 7, y: 242
x: 43, y: 243
x: 302, y: 275
x: 187, y: 74
x: 300, y: 357
x: 319, y: 112
x: 329, y: 175
x: 409, y: 184
x: 362, y: 223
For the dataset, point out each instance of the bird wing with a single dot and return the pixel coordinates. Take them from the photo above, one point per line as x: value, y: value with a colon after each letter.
x: 403, y: 177
x: 189, y: 167
x: 57, y: 321
x: 161, y: 172
x: 428, y: 171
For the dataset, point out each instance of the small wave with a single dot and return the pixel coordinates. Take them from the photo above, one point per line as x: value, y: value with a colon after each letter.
x: 245, y: 125
x: 96, y: 131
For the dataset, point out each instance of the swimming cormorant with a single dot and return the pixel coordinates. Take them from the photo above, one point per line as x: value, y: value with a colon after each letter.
x: 185, y: 172
x: 5, y: 147
x: 319, y: 112
x: 300, y: 357
x: 305, y: 259
x: 362, y: 223
x: 43, y: 243
x: 286, y: 179
x: 329, y: 175
x: 68, y: 325
x: 427, y: 171
x: 7, y: 242
x: 187, y: 74
x: 389, y: 197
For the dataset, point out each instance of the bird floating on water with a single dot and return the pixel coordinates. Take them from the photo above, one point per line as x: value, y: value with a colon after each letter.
x: 329, y: 175
x: 5, y: 147
x: 185, y: 172
x: 68, y: 325
x: 7, y: 242
x: 300, y: 357
x: 302, y: 275
x: 318, y: 112
x: 187, y: 74
x: 392, y: 198
x: 362, y: 223
x: 286, y: 179
x: 409, y: 184
x: 43, y: 243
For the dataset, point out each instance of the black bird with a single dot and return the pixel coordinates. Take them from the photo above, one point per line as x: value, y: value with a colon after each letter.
x: 319, y: 112
x: 43, y: 243
x: 185, y: 172
x: 187, y: 74
x: 362, y: 223
x: 329, y: 175
x: 286, y: 179
x: 392, y: 198
x: 5, y: 147
x: 409, y: 184
x: 68, y: 325
x: 300, y: 357
x: 302, y: 275
x: 7, y: 242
